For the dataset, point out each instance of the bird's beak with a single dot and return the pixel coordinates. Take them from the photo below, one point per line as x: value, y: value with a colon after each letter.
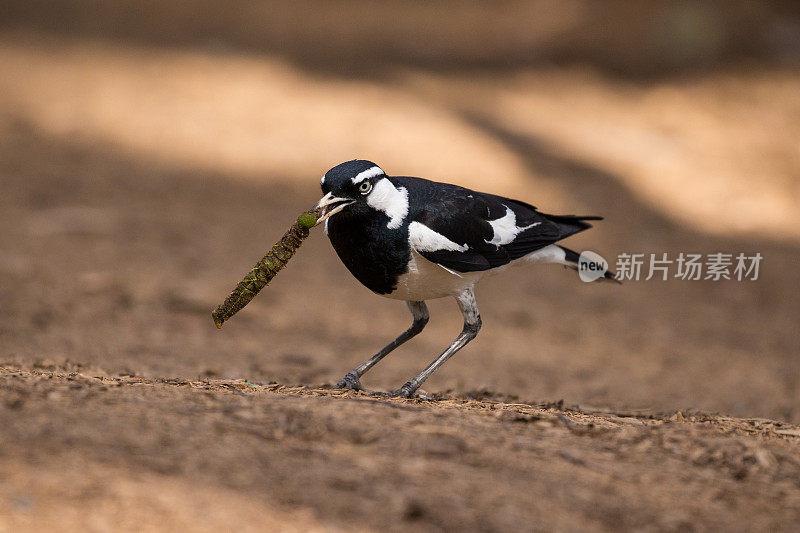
x: 330, y: 205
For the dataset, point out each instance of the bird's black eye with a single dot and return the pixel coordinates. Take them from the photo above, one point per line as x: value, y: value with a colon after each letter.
x: 365, y: 187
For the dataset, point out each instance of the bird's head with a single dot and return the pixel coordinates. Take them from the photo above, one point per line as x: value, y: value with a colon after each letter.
x: 348, y: 186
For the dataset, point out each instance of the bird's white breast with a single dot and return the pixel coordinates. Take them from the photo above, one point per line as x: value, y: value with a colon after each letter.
x: 426, y: 280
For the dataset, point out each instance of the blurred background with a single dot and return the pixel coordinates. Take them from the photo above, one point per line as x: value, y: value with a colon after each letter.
x: 152, y: 151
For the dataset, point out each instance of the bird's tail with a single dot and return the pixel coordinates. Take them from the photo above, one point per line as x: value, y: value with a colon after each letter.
x: 570, y: 224
x: 571, y: 259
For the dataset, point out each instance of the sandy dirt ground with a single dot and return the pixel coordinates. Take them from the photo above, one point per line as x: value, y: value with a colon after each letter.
x: 140, y: 182
x: 102, y: 452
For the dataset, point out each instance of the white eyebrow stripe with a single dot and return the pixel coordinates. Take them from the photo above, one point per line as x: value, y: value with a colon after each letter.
x: 369, y: 173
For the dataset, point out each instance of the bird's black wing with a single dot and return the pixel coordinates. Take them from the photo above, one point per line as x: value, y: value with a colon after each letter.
x: 460, y: 216
x: 489, y: 231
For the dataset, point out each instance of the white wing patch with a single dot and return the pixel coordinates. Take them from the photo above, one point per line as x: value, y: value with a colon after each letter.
x: 390, y: 199
x: 423, y: 239
x: 505, y: 228
x: 369, y: 173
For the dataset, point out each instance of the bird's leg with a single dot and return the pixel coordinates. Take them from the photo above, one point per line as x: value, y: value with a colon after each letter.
x: 472, y: 324
x: 420, y: 313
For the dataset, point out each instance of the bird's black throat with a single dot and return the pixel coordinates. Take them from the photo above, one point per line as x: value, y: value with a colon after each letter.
x: 373, y: 253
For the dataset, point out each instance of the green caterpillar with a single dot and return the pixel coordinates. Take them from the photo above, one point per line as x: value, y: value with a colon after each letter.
x: 266, y: 269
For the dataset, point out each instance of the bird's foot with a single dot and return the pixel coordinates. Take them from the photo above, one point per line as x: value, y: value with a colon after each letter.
x: 409, y: 391
x: 350, y: 382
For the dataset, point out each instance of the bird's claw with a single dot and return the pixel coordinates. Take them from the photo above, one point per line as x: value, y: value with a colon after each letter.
x: 350, y: 382
x: 407, y: 391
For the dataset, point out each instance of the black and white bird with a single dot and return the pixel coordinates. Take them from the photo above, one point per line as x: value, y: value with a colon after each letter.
x: 413, y: 239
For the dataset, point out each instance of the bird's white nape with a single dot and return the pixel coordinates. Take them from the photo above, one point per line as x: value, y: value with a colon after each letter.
x: 366, y: 174
x: 391, y: 200
x: 505, y: 228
